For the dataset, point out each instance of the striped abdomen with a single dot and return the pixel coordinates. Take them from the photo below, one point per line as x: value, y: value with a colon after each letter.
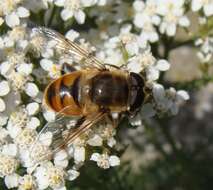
x: 64, y: 93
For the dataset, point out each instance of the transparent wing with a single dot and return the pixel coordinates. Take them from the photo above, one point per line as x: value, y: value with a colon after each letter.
x: 52, y: 136
x: 65, y: 46
x: 57, y: 135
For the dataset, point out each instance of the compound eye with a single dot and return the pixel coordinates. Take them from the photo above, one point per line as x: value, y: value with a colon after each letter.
x: 136, y: 92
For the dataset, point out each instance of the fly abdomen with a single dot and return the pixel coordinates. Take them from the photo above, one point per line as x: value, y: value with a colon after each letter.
x: 64, y: 93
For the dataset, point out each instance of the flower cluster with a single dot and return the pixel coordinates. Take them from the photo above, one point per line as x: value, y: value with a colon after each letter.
x: 166, y: 15
x: 121, y: 34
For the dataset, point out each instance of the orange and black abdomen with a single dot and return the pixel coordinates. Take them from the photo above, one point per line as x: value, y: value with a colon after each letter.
x: 62, y: 95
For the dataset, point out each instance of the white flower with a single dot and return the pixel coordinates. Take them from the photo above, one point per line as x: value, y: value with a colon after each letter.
x: 79, y: 154
x: 48, y: 175
x: 10, y: 150
x: 140, y: 62
x: 145, y: 18
x: 27, y: 182
x: 11, y: 181
x: 2, y: 105
x: 206, y: 5
x: 13, y: 12
x: 72, y: 35
x: 25, y: 69
x: 96, y: 140
x: 74, y: 8
x: 205, y: 53
x: 32, y: 108
x: 61, y: 159
x: 49, y: 115
x: 54, y: 70
x: 172, y: 13
x: 8, y: 165
x: 153, y: 71
x: 18, y: 119
x: 105, y: 161
x: 4, y: 88
x: 168, y: 100
x: 26, y: 138
x: 72, y: 174
x: 33, y: 123
x: 31, y: 89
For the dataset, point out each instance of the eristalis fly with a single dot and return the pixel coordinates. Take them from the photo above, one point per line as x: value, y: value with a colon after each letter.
x: 95, y: 93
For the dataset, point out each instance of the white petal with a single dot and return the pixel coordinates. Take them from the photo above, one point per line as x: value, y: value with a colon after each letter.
x: 31, y: 89
x: 114, y: 161
x: 152, y: 74
x: 182, y: 94
x: 139, y: 20
x: 32, y: 108
x: 66, y: 14
x: 184, y: 21
x: 72, y: 35
x: 46, y: 138
x: 25, y: 69
x: 34, y: 123
x: 163, y: 65
x: 208, y: 9
x: 111, y: 142
x: 80, y: 16
x: 46, y: 64
x: 72, y: 174
x: 10, y: 149
x: 196, y: 5
x: 2, y: 105
x: 11, y: 181
x: 95, y: 157
x: 59, y: 3
x: 4, y: 88
x: 96, y: 140
x: 88, y: 3
x: 61, y: 155
x: 13, y: 130
x: 136, y: 121
x: 171, y: 29
x: 153, y: 37
x: 49, y: 115
x: 60, y: 159
x: 132, y: 48
x: 61, y: 163
x: 1, y: 21
x: 12, y: 20
x: 5, y: 67
x: 79, y: 154
x: 158, y: 92
x: 138, y: 5
x: 23, y: 12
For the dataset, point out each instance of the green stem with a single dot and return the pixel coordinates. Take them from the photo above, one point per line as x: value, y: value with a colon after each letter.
x: 194, y: 84
x: 189, y: 42
x: 51, y: 16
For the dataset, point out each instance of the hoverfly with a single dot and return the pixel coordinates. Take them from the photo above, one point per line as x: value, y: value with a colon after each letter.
x: 94, y: 93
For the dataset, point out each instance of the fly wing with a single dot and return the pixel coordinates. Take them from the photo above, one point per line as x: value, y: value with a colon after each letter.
x: 59, y: 134
x: 77, y: 53
x: 51, y: 137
